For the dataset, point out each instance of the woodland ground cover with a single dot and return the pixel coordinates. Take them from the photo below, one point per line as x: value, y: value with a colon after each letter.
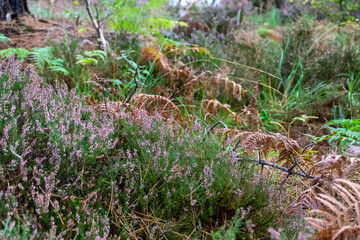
x: 240, y: 122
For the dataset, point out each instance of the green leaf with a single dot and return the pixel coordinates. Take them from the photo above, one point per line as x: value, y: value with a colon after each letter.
x: 86, y: 61
x: 21, y: 53
x: 3, y: 38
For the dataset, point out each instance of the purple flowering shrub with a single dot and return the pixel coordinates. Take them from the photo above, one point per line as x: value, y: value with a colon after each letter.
x: 189, y: 178
x: 48, y: 140
x: 67, y: 171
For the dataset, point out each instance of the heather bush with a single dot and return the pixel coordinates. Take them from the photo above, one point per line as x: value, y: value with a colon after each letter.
x: 67, y: 171
x: 195, y: 181
x: 49, y: 138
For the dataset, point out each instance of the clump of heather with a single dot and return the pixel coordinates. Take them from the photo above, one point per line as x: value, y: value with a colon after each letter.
x: 69, y: 172
x: 48, y: 140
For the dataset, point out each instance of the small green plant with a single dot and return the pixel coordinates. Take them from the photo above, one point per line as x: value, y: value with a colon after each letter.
x: 3, y: 38
x: 342, y: 133
x: 90, y: 57
x: 337, y: 9
x: 21, y: 53
x: 138, y: 19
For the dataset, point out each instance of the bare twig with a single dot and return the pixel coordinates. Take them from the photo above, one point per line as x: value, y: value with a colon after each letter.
x: 53, y: 205
x: 263, y: 162
x: 218, y: 122
x: 290, y: 171
x: 98, y: 26
x: 13, y: 152
x: 174, y: 94
x: 136, y: 86
x: 111, y: 198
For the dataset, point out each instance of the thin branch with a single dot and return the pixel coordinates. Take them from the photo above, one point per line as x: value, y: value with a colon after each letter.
x: 53, y: 205
x: 97, y: 26
x: 174, y: 94
x: 13, y: 152
x: 97, y: 13
x: 263, y: 162
x: 290, y: 172
x: 136, y: 86
x: 218, y: 122
x: 280, y: 189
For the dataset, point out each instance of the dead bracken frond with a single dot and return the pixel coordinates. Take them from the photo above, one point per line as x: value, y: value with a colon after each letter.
x: 213, y: 106
x: 332, y: 164
x: 257, y: 141
x: 220, y: 85
x: 327, y: 168
x: 154, y: 103
x: 340, y: 214
x: 154, y: 55
x: 117, y: 109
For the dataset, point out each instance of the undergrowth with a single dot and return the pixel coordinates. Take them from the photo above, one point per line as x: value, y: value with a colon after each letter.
x: 61, y: 161
x: 239, y: 122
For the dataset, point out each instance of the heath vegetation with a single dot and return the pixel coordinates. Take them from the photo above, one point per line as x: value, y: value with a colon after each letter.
x: 155, y: 119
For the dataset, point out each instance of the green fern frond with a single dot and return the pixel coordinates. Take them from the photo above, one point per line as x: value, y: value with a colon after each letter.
x: 57, y: 65
x: 85, y: 61
x: 96, y: 53
x: 21, y: 53
x: 3, y: 38
x: 163, y: 23
x: 345, y: 131
x: 90, y: 57
x: 136, y: 18
x: 41, y: 56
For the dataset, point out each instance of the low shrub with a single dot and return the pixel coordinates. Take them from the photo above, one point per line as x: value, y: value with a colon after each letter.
x: 67, y: 171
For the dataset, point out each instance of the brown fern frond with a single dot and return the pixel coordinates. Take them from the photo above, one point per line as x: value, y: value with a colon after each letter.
x: 257, y: 141
x: 221, y: 86
x: 117, y: 109
x: 154, y: 103
x: 332, y: 164
x: 154, y: 55
x: 213, y: 106
x: 339, y: 217
x: 328, y: 167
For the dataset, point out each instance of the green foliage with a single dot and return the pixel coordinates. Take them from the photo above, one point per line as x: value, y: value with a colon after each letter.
x: 89, y: 58
x: 230, y: 231
x: 3, y: 38
x: 129, y: 16
x: 264, y: 31
x: 21, y: 53
x: 337, y: 9
x: 153, y: 167
x: 15, y: 230
x: 344, y: 131
x: 174, y: 196
x: 270, y: 18
x: 42, y: 57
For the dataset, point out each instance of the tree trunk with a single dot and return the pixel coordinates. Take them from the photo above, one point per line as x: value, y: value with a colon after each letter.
x: 279, y: 4
x: 13, y: 7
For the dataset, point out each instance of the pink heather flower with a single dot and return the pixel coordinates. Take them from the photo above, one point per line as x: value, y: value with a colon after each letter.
x: 274, y: 234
